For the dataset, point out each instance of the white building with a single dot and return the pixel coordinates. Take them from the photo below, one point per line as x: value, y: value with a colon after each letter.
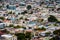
x: 9, y: 37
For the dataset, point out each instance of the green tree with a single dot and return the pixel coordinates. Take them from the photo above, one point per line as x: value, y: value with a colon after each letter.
x: 57, y: 32
x: 53, y: 38
x: 55, y: 24
x: 23, y: 36
x: 26, y: 19
x: 58, y: 22
x: 28, y: 35
x: 7, y: 6
x: 43, y: 28
x: 17, y: 26
x: 48, y: 33
x: 31, y: 12
x: 24, y: 27
x: 10, y: 12
x: 20, y: 36
x: 21, y: 18
x: 11, y: 25
x: 2, y: 18
x: 52, y: 19
x: 42, y: 20
x: 24, y: 12
x: 13, y: 12
x: 29, y: 7
x: 0, y: 6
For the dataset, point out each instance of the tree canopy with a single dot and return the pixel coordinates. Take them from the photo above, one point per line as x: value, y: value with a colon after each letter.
x: 20, y: 36
x: 2, y: 18
x: 28, y: 35
x: 7, y: 6
x: 57, y: 32
x: 10, y: 12
x: 24, y: 12
x: 23, y: 36
x: 29, y: 7
x: 52, y: 19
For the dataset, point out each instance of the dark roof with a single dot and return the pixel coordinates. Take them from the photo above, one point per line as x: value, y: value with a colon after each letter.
x: 1, y: 33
